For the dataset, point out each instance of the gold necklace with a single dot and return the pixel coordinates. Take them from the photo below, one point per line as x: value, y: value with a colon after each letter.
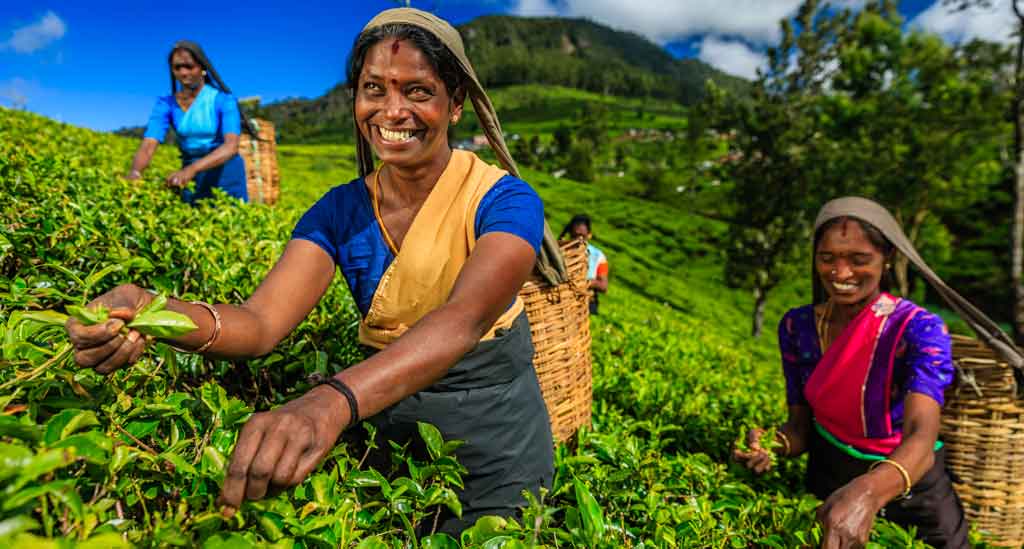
x: 376, y: 212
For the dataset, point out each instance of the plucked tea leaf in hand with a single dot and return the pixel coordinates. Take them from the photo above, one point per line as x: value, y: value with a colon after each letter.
x: 163, y: 324
x: 89, y: 316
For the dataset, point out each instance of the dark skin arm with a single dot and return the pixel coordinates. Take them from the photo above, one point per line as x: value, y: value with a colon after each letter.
x: 281, y: 447
x: 217, y: 157
x: 848, y: 514
x: 143, y: 156
x: 600, y: 283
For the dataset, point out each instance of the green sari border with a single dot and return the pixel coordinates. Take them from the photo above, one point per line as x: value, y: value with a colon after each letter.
x: 850, y: 450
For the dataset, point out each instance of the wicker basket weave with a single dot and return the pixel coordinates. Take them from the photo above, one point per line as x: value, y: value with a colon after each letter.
x: 263, y: 179
x: 560, y: 325
x: 983, y: 429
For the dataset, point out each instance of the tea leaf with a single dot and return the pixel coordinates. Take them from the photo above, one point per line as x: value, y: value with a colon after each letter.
x: 89, y: 316
x: 163, y: 324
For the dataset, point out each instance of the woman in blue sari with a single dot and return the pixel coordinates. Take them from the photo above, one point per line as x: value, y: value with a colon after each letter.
x: 207, y: 124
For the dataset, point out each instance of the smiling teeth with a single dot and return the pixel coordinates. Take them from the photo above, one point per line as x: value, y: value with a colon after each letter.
x: 391, y: 135
x: 844, y: 287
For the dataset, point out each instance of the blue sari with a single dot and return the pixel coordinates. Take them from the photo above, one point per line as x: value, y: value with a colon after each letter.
x: 200, y: 130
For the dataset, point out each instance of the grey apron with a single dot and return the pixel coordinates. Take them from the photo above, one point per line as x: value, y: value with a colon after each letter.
x: 491, y: 400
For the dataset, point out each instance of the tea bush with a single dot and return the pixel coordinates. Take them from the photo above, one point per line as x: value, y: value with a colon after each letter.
x: 136, y: 458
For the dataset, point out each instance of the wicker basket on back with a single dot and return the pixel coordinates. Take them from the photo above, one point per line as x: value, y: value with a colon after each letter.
x: 263, y: 179
x: 560, y: 326
x: 983, y: 429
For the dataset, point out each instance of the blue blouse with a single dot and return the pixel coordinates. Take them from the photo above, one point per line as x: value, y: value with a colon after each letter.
x: 343, y: 225
x: 201, y: 128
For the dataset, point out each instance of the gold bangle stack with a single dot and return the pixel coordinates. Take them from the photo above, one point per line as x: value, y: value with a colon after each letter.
x: 903, y: 472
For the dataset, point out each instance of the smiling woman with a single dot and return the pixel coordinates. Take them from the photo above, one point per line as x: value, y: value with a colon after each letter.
x: 866, y: 374
x: 434, y: 245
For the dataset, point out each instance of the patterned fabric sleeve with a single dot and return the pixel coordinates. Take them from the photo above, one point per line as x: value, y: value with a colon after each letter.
x: 789, y: 349
x: 159, y: 120
x: 929, y: 356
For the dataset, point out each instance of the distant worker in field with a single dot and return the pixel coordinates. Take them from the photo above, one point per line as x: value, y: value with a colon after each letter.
x: 435, y: 245
x: 207, y: 124
x: 597, y: 270
x: 866, y: 374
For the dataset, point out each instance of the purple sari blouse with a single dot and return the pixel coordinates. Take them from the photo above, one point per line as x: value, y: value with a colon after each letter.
x: 923, y: 362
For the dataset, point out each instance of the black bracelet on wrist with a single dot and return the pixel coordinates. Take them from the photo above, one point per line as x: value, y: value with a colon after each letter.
x: 353, y: 405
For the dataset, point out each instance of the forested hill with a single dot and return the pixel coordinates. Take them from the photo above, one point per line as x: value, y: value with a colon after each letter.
x: 509, y: 50
x: 581, y: 54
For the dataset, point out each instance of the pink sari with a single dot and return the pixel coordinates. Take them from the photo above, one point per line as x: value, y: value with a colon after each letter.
x: 850, y: 390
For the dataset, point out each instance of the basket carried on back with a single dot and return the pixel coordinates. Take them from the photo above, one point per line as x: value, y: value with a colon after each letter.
x: 983, y: 429
x: 560, y: 325
x: 263, y: 179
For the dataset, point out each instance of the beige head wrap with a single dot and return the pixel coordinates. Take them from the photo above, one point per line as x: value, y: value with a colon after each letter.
x: 872, y: 212
x: 550, y: 263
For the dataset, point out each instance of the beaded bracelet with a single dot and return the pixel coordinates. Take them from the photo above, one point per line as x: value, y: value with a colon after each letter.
x: 903, y: 472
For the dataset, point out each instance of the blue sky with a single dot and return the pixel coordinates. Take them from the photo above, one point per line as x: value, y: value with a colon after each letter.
x: 101, y: 64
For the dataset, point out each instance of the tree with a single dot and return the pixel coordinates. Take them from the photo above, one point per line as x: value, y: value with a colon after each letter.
x: 773, y: 193
x: 912, y: 121
x: 1017, y: 116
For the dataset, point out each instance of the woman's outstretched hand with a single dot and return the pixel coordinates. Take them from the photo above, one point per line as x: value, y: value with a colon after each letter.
x: 103, y: 346
x: 758, y: 459
x: 847, y: 515
x: 280, y: 448
x: 180, y: 178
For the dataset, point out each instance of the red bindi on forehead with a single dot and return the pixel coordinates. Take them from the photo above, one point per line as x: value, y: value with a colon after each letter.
x: 395, y: 46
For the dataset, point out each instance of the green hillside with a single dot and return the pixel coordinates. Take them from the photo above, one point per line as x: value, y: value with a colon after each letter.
x: 137, y: 457
x: 582, y: 54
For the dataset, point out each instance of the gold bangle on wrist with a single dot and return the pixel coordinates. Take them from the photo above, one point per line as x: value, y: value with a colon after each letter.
x: 216, y: 329
x: 903, y: 473
x: 785, y: 442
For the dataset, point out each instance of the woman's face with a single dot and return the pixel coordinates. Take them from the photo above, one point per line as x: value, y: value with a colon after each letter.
x: 580, y: 230
x: 185, y: 69
x: 402, y: 106
x: 849, y: 266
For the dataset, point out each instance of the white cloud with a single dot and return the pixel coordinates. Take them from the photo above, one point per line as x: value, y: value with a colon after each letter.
x: 731, y: 56
x: 534, y: 8
x: 995, y: 23
x: 36, y: 36
x: 756, y: 21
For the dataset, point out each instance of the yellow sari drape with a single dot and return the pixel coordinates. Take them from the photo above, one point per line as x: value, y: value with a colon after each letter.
x: 439, y: 241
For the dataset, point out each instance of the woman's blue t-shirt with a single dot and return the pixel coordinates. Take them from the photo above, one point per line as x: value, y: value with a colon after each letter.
x: 342, y: 223
x: 201, y: 128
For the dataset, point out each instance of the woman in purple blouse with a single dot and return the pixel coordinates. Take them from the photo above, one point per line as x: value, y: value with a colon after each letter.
x: 865, y: 376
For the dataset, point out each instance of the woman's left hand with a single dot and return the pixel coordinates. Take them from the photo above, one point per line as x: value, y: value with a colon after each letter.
x: 848, y: 514
x: 180, y: 178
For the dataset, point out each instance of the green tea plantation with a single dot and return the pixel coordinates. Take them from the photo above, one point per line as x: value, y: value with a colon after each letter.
x: 135, y: 459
